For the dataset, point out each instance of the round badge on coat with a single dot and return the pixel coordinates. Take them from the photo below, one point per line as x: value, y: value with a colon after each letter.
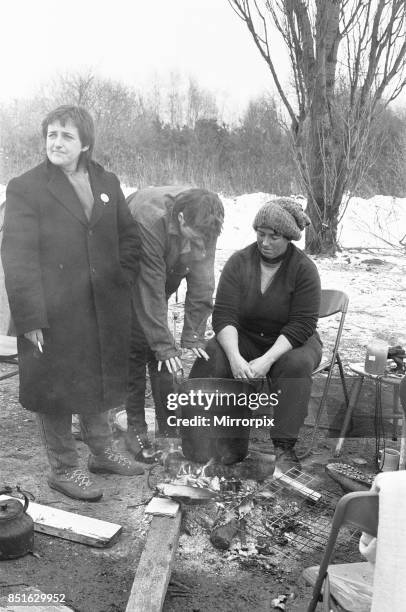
x: 104, y: 198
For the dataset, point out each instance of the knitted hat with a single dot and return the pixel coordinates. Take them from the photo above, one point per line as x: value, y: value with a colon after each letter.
x: 284, y: 215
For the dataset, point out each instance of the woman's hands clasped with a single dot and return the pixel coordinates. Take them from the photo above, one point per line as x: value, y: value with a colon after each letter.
x: 256, y: 368
x: 260, y: 366
x: 240, y: 367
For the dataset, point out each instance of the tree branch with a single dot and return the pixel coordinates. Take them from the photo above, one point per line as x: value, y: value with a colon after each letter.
x: 243, y: 7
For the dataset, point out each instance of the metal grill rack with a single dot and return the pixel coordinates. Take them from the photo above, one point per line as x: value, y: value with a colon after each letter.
x: 295, y: 527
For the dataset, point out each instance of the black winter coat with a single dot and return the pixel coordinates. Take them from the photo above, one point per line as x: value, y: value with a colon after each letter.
x: 71, y: 278
x: 289, y: 306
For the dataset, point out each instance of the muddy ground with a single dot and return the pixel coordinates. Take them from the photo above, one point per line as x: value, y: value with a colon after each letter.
x: 204, y: 579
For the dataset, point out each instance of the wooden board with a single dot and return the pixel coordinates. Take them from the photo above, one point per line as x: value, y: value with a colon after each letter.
x: 162, y: 506
x: 71, y: 526
x: 155, y: 566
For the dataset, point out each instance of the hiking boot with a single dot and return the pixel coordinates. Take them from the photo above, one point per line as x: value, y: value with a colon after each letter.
x: 139, y: 446
x: 75, y: 483
x: 113, y: 462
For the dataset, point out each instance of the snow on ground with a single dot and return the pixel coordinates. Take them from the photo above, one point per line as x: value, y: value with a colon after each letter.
x: 375, y: 223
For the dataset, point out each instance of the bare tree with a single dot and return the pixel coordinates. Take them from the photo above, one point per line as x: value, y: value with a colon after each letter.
x: 201, y: 104
x: 347, y: 60
x: 72, y: 88
x: 175, y: 100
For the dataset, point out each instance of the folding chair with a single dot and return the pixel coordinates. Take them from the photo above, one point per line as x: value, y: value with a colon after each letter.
x: 348, y: 585
x: 332, y: 302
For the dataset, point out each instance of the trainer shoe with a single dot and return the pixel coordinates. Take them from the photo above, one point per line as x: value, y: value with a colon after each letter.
x: 113, y: 462
x: 75, y: 483
x: 140, y: 447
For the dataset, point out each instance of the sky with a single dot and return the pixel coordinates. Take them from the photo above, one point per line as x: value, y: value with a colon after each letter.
x: 134, y: 41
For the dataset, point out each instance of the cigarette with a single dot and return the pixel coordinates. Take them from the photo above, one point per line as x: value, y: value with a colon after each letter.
x: 39, y: 346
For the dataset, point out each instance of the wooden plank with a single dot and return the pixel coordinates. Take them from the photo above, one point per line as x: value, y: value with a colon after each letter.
x: 71, y: 526
x: 155, y: 566
x: 162, y: 506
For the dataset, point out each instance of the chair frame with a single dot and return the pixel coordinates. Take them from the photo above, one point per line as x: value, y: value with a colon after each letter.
x: 333, y: 301
x: 359, y: 509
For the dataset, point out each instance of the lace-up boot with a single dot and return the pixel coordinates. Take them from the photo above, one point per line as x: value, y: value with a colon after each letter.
x: 111, y: 461
x: 139, y: 445
x: 75, y: 483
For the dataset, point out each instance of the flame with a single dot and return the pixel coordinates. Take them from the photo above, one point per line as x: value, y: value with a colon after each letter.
x: 206, y: 465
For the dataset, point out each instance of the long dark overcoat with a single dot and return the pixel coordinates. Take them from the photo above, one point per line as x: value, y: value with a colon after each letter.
x: 71, y: 278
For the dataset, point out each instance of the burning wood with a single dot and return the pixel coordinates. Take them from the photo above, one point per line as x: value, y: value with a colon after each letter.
x: 259, y: 524
x: 237, y: 507
x: 186, y: 493
x: 222, y: 535
x: 256, y: 466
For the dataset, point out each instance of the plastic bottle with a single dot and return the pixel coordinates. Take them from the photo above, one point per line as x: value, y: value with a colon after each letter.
x: 376, y: 357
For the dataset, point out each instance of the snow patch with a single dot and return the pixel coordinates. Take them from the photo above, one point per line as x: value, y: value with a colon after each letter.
x: 379, y: 222
x: 375, y: 223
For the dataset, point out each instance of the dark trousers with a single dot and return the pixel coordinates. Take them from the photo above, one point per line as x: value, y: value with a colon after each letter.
x: 290, y: 377
x: 142, y: 357
x: 56, y: 434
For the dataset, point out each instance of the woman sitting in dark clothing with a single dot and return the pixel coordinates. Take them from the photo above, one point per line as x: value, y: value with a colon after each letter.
x: 265, y: 318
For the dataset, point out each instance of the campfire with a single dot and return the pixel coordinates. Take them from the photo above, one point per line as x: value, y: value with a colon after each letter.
x: 262, y: 521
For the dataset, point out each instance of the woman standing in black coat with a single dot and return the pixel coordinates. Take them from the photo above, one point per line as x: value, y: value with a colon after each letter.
x: 70, y: 252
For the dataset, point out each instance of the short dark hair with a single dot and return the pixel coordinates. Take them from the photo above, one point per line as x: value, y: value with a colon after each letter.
x: 202, y: 210
x: 81, y: 118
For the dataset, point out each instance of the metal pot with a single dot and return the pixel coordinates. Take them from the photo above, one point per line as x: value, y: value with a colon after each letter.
x: 16, y: 529
x: 226, y: 443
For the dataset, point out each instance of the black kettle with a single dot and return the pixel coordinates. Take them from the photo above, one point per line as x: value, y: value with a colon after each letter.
x: 16, y: 529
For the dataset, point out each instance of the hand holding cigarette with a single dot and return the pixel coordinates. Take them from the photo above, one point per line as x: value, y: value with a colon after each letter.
x: 36, y: 337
